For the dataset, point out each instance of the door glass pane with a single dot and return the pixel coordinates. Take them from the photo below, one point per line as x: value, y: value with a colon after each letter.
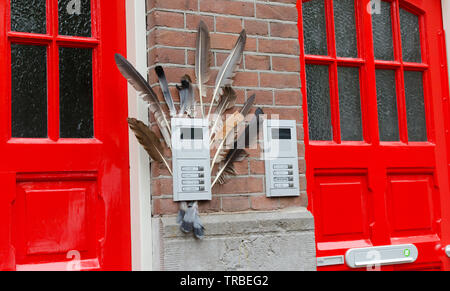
x: 409, y: 24
x: 415, y: 107
x: 387, y: 105
x: 350, y: 104
x: 382, y: 32
x: 76, y: 99
x: 345, y: 28
x: 29, y: 91
x: 74, y: 17
x: 314, y: 27
x: 318, y: 93
x: 28, y: 16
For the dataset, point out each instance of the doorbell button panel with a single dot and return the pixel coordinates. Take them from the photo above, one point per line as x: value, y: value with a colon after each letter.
x: 281, y: 158
x: 191, y: 158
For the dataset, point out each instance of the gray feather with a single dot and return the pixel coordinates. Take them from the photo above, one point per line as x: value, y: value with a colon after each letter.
x: 202, y: 61
x: 143, y: 88
x: 166, y: 91
x: 228, y: 69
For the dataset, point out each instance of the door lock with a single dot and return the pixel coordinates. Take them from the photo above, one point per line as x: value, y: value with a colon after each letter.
x: 447, y: 251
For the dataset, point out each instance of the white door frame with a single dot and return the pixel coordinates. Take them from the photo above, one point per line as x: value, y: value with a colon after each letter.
x: 140, y: 199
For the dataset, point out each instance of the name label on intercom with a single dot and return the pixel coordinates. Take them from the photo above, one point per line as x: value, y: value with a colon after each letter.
x: 281, y: 158
x: 191, y: 158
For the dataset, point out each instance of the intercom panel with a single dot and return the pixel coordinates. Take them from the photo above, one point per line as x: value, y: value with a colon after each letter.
x: 281, y: 158
x: 191, y: 159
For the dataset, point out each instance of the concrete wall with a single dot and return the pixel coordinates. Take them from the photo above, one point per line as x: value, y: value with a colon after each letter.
x: 252, y: 241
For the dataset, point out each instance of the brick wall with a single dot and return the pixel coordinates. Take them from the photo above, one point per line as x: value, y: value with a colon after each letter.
x: 270, y: 69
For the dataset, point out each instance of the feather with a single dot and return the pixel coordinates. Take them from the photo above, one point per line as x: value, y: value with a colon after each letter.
x: 228, y: 69
x: 181, y: 212
x: 202, y: 61
x: 246, y: 139
x: 149, y: 141
x: 228, y: 167
x: 165, y: 89
x: 187, y: 224
x: 224, y: 137
x: 199, y: 229
x: 187, y: 97
x: 232, y: 122
x: 143, y: 88
x: 227, y: 101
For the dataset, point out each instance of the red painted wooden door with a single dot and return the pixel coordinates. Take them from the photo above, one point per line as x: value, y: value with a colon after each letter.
x: 64, y: 198
x: 375, y: 91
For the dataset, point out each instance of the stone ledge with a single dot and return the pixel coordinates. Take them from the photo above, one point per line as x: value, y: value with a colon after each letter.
x: 252, y: 241
x: 224, y: 224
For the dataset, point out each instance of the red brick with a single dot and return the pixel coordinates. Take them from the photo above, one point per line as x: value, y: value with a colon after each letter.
x: 227, y: 7
x: 192, y: 21
x: 246, y: 79
x: 283, y: 30
x: 165, y: 206
x: 209, y: 206
x: 257, y: 167
x: 300, y: 201
x: 281, y: 81
x: 173, y: 38
x: 302, y: 166
x: 233, y: 204
x: 288, y: 47
x: 256, y: 27
x: 162, y: 18
x: 240, y: 185
x: 286, y: 64
x: 253, y: 62
x: 263, y: 97
x: 288, y: 98
x: 276, y: 12
x: 228, y: 24
x: 284, y: 113
x: 263, y: 203
x: 167, y: 56
x: 174, y: 4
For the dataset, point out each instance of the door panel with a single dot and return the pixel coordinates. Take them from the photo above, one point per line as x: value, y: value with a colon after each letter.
x: 376, y: 151
x: 64, y: 152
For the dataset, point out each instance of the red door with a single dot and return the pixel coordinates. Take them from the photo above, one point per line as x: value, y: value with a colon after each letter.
x: 64, y: 198
x: 376, y: 88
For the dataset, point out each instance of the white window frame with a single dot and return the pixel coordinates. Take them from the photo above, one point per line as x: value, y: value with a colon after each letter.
x: 140, y: 199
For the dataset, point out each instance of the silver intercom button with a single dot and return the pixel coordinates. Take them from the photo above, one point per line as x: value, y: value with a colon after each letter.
x: 192, y: 176
x: 283, y: 179
x: 283, y: 173
x: 282, y: 167
x: 193, y: 182
x: 192, y: 169
x: 191, y: 189
x: 284, y: 186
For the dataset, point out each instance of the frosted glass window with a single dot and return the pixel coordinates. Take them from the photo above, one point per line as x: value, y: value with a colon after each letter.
x: 350, y: 104
x: 76, y: 94
x: 415, y: 106
x: 74, y: 17
x: 318, y: 93
x: 29, y: 91
x: 387, y: 105
x: 28, y: 16
x: 345, y: 28
x: 409, y: 24
x: 382, y: 33
x: 314, y: 27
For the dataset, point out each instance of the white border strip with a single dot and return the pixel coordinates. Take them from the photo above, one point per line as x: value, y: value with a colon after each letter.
x: 446, y: 21
x: 140, y: 199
